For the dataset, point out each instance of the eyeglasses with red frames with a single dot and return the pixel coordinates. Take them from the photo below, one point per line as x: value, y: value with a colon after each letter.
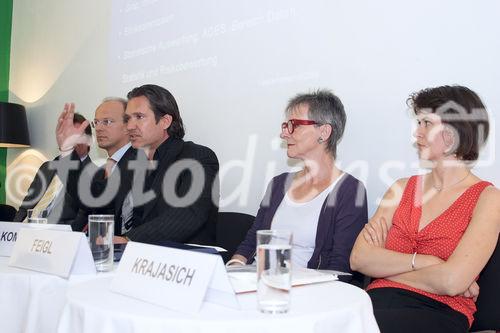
x: 291, y: 124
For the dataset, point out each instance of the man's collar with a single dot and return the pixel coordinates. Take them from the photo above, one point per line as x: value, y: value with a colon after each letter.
x: 120, y: 152
x: 165, y: 147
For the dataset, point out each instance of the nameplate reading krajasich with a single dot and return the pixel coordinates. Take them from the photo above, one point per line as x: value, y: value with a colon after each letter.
x: 176, y: 279
x: 53, y: 252
x: 9, y: 230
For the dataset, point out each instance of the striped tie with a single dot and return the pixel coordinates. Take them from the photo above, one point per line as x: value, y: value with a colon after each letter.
x: 110, y: 163
x: 127, y: 213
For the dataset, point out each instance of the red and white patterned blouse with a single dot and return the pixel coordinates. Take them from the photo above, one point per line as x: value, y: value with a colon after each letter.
x: 439, y: 238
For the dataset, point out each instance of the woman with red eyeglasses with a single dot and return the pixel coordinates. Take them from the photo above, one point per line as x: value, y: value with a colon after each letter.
x: 323, y: 206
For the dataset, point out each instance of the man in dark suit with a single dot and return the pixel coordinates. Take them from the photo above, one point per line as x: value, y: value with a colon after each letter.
x: 49, y: 192
x: 86, y: 182
x: 112, y: 136
x: 176, y: 198
x: 170, y: 191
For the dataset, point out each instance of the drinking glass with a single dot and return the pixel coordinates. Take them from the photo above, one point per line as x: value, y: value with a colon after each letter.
x: 274, y: 271
x: 101, y: 232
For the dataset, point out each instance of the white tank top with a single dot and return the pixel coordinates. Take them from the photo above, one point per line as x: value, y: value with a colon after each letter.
x: 302, y: 219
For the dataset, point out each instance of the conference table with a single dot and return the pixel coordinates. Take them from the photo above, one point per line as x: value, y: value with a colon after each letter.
x: 37, y: 302
x: 32, y: 302
x: 29, y: 301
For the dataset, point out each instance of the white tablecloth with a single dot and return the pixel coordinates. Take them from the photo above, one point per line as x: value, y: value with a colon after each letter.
x: 32, y: 302
x: 327, y: 307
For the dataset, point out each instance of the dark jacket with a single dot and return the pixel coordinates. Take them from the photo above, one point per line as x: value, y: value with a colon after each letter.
x: 110, y: 203
x: 343, y: 215
x: 66, y: 206
x: 162, y: 219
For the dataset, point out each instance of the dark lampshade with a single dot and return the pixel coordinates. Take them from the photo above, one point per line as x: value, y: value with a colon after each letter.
x: 13, y: 126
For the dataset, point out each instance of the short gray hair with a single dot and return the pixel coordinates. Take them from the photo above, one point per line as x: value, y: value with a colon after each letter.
x: 326, y: 109
x: 116, y: 99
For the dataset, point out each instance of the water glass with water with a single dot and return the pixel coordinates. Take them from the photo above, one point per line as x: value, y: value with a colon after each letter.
x: 274, y: 271
x: 101, y: 232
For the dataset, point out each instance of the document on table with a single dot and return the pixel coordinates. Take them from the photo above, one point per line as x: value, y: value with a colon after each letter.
x: 216, y: 248
x: 244, y: 278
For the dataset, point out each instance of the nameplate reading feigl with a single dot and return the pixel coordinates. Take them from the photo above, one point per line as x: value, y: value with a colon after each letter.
x: 9, y: 230
x: 53, y: 252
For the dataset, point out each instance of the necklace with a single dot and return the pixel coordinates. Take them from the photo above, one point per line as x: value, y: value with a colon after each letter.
x: 440, y: 188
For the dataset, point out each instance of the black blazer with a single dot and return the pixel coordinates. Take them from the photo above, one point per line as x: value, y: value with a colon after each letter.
x: 66, y: 207
x: 160, y: 220
x: 111, y: 204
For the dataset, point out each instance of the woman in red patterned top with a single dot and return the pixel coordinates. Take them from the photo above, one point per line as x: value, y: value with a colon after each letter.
x: 432, y: 234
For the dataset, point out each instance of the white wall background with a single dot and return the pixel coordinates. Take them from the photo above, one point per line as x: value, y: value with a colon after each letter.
x: 233, y: 65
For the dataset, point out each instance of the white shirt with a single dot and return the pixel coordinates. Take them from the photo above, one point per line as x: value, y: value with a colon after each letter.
x: 117, y: 156
x: 302, y: 219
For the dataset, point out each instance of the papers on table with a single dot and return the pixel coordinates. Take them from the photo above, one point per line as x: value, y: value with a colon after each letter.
x: 244, y: 278
x: 216, y: 248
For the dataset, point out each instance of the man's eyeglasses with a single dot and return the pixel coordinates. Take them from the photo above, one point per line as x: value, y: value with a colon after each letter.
x: 293, y: 123
x: 104, y: 122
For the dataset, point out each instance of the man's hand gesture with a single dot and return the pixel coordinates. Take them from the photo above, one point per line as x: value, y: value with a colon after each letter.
x: 68, y: 134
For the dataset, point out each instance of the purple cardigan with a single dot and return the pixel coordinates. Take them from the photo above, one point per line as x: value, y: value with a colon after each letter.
x: 343, y: 215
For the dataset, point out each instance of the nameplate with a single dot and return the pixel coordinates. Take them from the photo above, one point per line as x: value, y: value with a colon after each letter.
x: 176, y: 279
x: 9, y: 230
x: 53, y: 252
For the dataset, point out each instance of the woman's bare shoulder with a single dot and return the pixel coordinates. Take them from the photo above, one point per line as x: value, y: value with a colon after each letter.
x: 395, y: 191
x: 391, y: 200
x: 490, y: 199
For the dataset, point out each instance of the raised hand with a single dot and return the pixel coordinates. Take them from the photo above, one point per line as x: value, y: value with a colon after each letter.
x: 69, y: 134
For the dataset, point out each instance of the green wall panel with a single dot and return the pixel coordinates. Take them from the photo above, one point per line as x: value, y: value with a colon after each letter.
x: 5, y: 34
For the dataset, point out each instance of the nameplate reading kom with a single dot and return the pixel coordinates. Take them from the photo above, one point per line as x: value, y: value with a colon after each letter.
x: 53, y: 252
x: 176, y: 279
x: 9, y: 231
